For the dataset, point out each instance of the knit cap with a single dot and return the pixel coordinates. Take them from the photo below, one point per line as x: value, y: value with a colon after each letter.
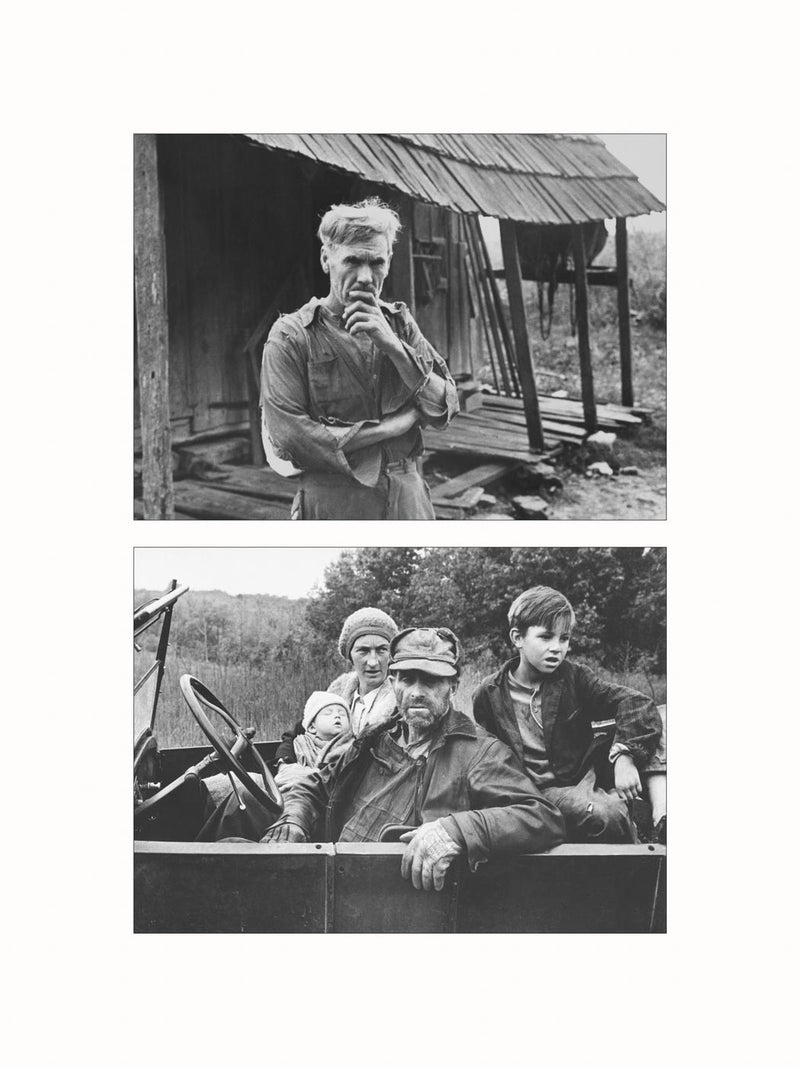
x: 319, y: 700
x: 365, y: 621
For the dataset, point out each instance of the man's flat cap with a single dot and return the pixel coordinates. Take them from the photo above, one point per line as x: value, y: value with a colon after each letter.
x: 433, y: 651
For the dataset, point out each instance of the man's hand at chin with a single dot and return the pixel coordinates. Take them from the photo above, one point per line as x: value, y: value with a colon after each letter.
x: 430, y: 852
x: 363, y: 316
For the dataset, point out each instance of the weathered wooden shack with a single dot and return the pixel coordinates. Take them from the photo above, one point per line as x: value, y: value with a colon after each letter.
x: 225, y: 240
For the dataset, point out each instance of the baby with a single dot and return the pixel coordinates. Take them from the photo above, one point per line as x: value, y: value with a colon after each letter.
x: 325, y: 717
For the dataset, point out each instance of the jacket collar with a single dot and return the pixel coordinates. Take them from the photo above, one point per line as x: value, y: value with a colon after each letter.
x: 499, y: 676
x: 550, y: 693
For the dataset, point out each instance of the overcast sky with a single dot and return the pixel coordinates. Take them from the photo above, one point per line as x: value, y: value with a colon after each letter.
x: 281, y: 571
x: 646, y: 155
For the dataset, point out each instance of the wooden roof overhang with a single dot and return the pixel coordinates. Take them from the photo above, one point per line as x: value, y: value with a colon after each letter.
x: 549, y: 179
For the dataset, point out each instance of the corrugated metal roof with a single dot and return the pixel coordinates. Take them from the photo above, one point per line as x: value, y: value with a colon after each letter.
x: 528, y: 177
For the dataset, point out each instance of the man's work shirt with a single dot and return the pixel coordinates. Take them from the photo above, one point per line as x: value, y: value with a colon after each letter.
x: 319, y: 387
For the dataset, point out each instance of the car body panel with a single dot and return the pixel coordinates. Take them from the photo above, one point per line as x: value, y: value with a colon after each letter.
x: 246, y: 887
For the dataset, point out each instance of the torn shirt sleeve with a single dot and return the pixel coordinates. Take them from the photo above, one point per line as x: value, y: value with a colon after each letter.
x: 290, y: 431
x: 437, y: 413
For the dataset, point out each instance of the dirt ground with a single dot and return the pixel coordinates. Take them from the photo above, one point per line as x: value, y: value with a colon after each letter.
x: 622, y: 496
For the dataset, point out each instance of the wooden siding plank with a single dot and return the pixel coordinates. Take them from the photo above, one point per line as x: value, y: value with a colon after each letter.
x: 152, y: 331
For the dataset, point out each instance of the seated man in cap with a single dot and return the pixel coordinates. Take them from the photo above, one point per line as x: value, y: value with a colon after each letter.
x: 347, y: 381
x: 429, y: 767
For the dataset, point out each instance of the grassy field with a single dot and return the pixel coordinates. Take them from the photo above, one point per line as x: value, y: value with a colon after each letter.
x: 272, y: 698
x: 556, y: 357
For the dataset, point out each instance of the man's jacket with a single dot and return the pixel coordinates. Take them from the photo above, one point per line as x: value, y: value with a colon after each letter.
x: 469, y: 779
x: 572, y: 698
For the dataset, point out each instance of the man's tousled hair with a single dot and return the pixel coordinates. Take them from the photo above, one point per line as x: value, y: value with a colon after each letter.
x: 541, y: 606
x: 348, y: 224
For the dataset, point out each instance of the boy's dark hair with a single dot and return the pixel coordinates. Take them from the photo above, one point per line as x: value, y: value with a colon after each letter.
x: 541, y: 606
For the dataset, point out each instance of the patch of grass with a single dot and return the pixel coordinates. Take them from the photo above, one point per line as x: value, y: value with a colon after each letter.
x: 272, y: 698
x: 555, y: 358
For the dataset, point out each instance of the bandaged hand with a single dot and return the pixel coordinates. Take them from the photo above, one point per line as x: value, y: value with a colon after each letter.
x: 285, y: 831
x: 430, y: 852
x: 290, y: 773
x: 627, y: 782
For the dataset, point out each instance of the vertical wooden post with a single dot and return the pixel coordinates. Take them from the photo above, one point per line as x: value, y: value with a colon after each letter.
x: 624, y: 309
x: 402, y: 276
x: 582, y: 317
x: 519, y: 326
x: 152, y: 331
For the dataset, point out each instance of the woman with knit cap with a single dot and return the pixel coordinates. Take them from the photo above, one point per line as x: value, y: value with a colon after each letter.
x: 365, y: 693
x: 366, y: 690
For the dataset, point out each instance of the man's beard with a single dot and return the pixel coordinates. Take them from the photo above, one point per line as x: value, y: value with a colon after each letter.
x: 423, y: 717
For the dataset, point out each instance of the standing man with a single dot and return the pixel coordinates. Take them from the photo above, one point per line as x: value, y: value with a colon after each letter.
x: 347, y: 381
x: 429, y: 768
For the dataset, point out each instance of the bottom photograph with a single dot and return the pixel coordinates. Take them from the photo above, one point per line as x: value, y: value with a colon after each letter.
x: 399, y: 740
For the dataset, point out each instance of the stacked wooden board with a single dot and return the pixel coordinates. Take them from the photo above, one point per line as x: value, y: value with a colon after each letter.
x: 230, y: 492
x: 498, y: 428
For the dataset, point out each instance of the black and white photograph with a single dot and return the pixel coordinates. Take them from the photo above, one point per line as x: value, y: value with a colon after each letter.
x: 400, y: 326
x: 400, y: 740
x: 231, y: 267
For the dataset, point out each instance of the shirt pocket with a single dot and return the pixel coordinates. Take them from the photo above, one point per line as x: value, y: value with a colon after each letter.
x: 326, y: 386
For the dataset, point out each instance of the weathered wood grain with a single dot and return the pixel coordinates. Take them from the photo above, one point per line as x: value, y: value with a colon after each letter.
x: 519, y: 324
x: 624, y: 312
x: 207, y: 502
x: 152, y: 330
x: 480, y: 476
x: 582, y: 319
x: 260, y: 482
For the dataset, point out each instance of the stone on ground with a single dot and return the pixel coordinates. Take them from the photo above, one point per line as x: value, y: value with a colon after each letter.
x: 531, y: 507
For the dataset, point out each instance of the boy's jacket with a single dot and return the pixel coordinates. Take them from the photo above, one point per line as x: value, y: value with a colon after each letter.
x: 572, y: 698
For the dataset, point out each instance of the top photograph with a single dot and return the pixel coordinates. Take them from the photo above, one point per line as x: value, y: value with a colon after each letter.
x: 400, y: 326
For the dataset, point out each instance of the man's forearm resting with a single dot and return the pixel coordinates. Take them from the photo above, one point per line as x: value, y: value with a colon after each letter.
x: 389, y: 427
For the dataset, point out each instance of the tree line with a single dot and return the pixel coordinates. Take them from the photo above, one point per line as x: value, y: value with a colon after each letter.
x: 619, y: 596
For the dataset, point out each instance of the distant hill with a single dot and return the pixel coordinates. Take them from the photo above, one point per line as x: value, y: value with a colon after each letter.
x: 222, y: 628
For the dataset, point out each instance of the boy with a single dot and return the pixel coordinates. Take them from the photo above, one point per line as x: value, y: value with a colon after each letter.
x: 543, y: 706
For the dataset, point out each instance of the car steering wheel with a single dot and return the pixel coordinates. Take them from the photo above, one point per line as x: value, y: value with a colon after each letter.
x: 200, y: 699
